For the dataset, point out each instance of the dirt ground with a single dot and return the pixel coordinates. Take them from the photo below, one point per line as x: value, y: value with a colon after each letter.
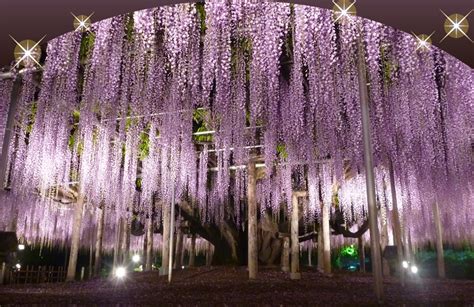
x: 230, y: 286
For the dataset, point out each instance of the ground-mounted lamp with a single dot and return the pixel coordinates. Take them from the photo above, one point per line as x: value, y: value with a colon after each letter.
x: 120, y: 272
x: 21, y: 246
x: 136, y: 258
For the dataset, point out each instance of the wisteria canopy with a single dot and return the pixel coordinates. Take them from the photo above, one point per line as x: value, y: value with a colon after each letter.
x: 179, y: 98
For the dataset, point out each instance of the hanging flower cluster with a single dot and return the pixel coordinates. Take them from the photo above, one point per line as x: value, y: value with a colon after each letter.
x: 170, y: 103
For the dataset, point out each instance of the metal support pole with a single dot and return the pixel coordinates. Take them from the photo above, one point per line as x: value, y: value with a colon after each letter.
x: 9, y: 131
x: 170, y: 260
x: 369, y: 176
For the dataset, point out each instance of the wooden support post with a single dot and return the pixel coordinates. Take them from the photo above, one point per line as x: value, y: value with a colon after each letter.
x: 397, y: 229
x: 98, y: 242
x: 75, y: 239
x: 192, y: 252
x: 166, y: 240
x: 285, y: 262
x: 82, y: 273
x: 326, y: 240
x: 149, y: 244
x: 118, y: 240
x: 2, y: 273
x: 439, y: 241
x: 295, y: 241
x: 209, y: 254
x: 126, y: 241
x: 320, y: 249
x: 7, y: 137
x: 252, y: 221
x: 172, y: 217
x: 376, y: 258
x: 384, y: 238
x: 361, y: 250
x: 91, y: 259
x: 179, y: 249
x: 310, y: 250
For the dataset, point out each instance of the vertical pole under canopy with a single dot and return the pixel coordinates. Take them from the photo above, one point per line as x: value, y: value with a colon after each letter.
x: 7, y: 137
x: 166, y: 240
x: 439, y: 241
x: 252, y: 221
x: 170, y: 260
x: 192, y: 252
x: 326, y: 240
x: 310, y: 250
x: 76, y: 237
x: 126, y: 241
x: 384, y: 238
x: 397, y: 229
x: 376, y: 259
x: 361, y: 248
x: 320, y: 248
x: 285, y: 258
x: 149, y: 244
x: 295, y: 242
x: 118, y: 240
x: 179, y: 249
x: 98, y: 242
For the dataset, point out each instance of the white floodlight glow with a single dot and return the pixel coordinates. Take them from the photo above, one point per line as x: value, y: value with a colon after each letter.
x: 21, y: 247
x: 405, y: 264
x: 136, y: 258
x: 120, y: 272
x: 414, y: 269
x: 18, y: 266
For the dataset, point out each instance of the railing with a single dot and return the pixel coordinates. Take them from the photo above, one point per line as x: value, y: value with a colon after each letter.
x: 39, y: 274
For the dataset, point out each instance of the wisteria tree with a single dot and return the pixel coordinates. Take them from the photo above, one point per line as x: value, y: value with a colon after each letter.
x: 173, y: 103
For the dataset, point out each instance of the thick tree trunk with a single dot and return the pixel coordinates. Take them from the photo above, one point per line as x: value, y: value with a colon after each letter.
x: 98, y: 242
x: 252, y: 221
x: 76, y: 237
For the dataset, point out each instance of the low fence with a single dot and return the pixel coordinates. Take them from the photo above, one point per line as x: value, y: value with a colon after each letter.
x: 38, y: 274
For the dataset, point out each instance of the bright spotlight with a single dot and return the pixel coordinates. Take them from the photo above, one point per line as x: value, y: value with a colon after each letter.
x: 18, y: 266
x: 182, y: 267
x: 136, y: 258
x: 414, y: 269
x: 405, y: 264
x: 21, y: 247
x: 120, y: 272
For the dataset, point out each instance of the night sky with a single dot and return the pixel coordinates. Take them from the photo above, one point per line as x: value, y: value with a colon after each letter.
x: 31, y: 19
